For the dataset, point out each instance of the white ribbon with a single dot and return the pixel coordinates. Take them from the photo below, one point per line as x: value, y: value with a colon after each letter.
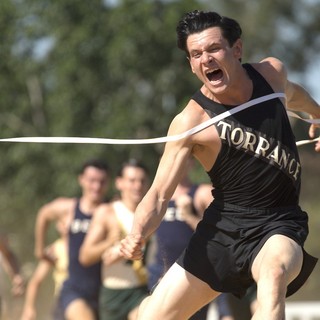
x: 302, y: 142
x: 294, y: 115
x: 185, y: 134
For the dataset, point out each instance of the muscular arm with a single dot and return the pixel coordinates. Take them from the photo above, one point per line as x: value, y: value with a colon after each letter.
x: 297, y: 98
x: 42, y: 270
x: 60, y: 208
x: 11, y: 266
x: 152, y: 208
x: 102, y: 234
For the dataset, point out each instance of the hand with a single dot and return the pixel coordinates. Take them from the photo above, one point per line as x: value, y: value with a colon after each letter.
x: 132, y: 247
x: 111, y: 255
x: 18, y: 285
x: 317, y: 146
x: 49, y: 255
x: 312, y: 134
x: 28, y: 314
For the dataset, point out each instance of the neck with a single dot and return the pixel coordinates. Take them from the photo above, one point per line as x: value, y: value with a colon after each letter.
x: 88, y: 206
x: 131, y: 206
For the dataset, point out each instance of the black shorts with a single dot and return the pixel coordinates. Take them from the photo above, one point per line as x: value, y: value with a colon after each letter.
x: 69, y: 293
x: 227, y: 240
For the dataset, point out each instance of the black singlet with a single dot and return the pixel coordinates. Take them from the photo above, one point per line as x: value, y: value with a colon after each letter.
x: 258, y: 164
x: 256, y: 179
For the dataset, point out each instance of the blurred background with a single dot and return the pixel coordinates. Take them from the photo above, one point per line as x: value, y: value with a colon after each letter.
x: 111, y: 69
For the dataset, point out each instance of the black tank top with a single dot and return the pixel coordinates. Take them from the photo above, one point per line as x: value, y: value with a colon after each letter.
x: 258, y: 164
x: 85, y: 279
x: 173, y: 234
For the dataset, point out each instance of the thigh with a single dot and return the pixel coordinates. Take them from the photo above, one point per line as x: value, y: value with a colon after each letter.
x: 178, y: 296
x: 79, y: 309
x: 278, y: 251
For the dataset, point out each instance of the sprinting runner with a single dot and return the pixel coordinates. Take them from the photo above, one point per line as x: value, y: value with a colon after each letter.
x: 254, y: 230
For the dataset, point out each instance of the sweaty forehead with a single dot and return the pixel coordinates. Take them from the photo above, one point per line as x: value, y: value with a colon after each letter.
x: 204, y: 38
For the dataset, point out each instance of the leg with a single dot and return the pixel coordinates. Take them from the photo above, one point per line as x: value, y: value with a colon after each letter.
x: 276, y: 265
x: 177, y: 297
x: 79, y: 309
x: 133, y: 314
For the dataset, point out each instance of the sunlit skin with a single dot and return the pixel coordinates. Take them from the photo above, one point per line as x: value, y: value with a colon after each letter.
x: 102, y: 239
x: 94, y: 183
x: 216, y: 64
x: 133, y: 185
x: 104, y: 231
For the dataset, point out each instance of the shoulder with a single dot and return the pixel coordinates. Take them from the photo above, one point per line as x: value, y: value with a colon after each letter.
x: 59, y: 207
x: 103, y: 210
x: 191, y: 116
x: 62, y: 203
x: 104, y: 214
x: 270, y: 65
x: 274, y: 71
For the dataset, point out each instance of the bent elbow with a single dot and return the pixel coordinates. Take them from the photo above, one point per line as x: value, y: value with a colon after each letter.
x: 84, y: 258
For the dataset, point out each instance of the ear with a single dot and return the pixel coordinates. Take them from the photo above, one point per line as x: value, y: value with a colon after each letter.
x: 192, y: 69
x: 237, y: 49
x: 80, y: 179
x: 118, y: 183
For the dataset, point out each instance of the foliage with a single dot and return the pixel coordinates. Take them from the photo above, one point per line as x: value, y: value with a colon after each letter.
x: 109, y: 69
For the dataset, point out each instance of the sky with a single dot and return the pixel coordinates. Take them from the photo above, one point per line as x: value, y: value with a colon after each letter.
x: 313, y: 80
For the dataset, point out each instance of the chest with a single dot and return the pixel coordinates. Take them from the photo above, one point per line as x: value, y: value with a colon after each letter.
x: 207, y: 145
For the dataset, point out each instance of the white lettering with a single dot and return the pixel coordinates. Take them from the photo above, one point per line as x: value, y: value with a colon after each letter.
x: 292, y: 166
x: 225, y: 126
x: 78, y: 226
x: 234, y: 135
x: 262, y: 147
x: 250, y: 141
x: 170, y: 214
x: 297, y: 170
x: 283, y: 161
x: 274, y: 154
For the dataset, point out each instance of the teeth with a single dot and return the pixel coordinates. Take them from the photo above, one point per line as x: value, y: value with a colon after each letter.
x: 207, y: 72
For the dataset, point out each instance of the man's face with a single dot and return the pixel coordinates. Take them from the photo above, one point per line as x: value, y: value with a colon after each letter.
x: 94, y: 183
x: 133, y: 184
x: 212, y: 59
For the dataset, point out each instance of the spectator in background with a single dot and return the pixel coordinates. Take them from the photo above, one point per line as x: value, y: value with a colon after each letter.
x: 184, y: 211
x: 124, y: 283
x: 80, y: 292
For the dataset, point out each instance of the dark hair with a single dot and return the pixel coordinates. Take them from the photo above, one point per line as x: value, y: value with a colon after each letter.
x: 98, y: 164
x: 132, y: 163
x: 197, y: 21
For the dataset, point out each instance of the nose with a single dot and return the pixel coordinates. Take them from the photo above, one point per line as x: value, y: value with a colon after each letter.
x: 206, y: 58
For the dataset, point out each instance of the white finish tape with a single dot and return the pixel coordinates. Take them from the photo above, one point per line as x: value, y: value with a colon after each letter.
x: 185, y: 134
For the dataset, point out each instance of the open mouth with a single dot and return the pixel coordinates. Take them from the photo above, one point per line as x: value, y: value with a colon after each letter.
x: 214, y: 75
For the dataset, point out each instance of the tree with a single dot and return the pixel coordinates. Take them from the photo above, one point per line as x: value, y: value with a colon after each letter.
x: 109, y: 69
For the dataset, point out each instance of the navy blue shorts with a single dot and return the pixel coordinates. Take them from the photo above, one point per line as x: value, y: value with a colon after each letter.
x: 70, y: 293
x: 228, y: 239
